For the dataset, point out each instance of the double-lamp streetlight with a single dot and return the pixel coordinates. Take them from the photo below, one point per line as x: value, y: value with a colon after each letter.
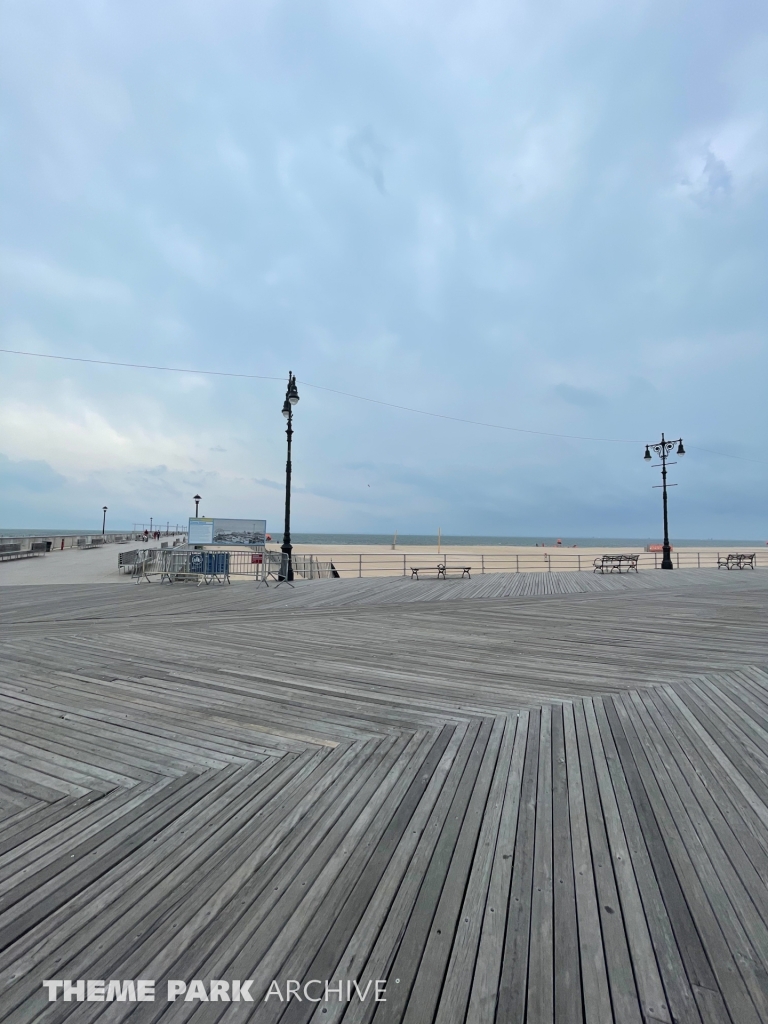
x: 664, y: 449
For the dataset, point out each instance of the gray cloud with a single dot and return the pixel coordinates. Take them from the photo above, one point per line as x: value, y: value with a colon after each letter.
x: 586, y: 398
x: 28, y: 475
x: 366, y: 153
x: 717, y: 175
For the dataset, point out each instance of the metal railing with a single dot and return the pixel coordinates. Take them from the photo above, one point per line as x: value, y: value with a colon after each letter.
x: 180, y: 563
x: 83, y: 541
x: 390, y: 563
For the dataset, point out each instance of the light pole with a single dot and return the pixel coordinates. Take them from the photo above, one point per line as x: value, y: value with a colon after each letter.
x: 286, y: 566
x: 197, y: 499
x: 104, y: 521
x: 664, y: 449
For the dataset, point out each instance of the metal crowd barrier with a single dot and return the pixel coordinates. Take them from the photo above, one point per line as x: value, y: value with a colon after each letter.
x: 174, y: 565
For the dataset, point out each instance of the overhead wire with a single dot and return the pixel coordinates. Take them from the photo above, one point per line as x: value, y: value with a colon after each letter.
x: 359, y: 398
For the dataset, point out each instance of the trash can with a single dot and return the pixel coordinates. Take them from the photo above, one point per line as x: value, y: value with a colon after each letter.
x: 216, y: 563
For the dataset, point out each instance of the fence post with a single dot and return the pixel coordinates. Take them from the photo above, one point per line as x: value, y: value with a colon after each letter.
x: 360, y: 566
x: 655, y: 560
x: 698, y: 559
x: 517, y: 563
x: 678, y: 559
x: 482, y: 561
x: 579, y: 558
x: 403, y: 565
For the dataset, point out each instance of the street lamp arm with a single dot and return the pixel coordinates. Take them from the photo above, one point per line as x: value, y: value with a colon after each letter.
x: 664, y: 448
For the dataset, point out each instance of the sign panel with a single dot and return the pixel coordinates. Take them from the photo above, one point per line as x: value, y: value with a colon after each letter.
x: 200, y: 531
x: 247, y: 532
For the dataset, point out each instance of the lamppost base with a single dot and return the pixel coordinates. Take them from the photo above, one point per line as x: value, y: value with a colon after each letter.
x: 667, y: 565
x: 286, y: 566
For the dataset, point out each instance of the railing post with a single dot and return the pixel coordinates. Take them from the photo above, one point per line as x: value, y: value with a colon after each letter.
x: 517, y: 563
x: 698, y: 559
x: 482, y: 561
x: 579, y: 558
x: 360, y: 566
x: 403, y: 565
x: 678, y: 559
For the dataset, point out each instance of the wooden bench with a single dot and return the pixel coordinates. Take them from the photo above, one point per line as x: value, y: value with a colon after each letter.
x: 615, y: 563
x: 736, y: 561
x: 441, y: 571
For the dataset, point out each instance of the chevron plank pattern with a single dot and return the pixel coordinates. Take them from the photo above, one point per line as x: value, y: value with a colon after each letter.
x: 538, y: 799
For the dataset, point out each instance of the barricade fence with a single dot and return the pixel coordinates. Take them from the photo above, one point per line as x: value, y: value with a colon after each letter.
x: 263, y: 566
x: 175, y: 564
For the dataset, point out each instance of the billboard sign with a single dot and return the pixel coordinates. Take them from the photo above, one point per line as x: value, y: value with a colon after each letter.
x: 240, y: 532
x: 200, y: 531
x: 228, y: 532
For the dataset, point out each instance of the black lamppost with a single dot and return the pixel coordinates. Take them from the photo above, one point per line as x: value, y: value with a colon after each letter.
x: 291, y: 398
x: 197, y: 499
x: 104, y: 521
x: 664, y: 449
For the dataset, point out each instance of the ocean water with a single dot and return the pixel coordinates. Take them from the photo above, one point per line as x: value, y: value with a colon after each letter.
x: 426, y: 540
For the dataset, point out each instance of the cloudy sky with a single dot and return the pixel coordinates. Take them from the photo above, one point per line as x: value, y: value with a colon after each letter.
x: 544, y: 215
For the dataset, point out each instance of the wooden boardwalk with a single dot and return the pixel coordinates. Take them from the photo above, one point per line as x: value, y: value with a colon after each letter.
x: 538, y: 799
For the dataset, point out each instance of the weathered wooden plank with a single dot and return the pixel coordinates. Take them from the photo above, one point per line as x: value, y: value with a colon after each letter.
x: 485, y: 983
x: 370, y: 951
x: 621, y: 979
x: 596, y: 998
x: 652, y: 873
x: 476, y: 908
x: 541, y: 973
x: 671, y: 816
x: 339, y: 924
x: 566, y: 972
x: 408, y: 957
x: 513, y: 981
x: 442, y: 938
